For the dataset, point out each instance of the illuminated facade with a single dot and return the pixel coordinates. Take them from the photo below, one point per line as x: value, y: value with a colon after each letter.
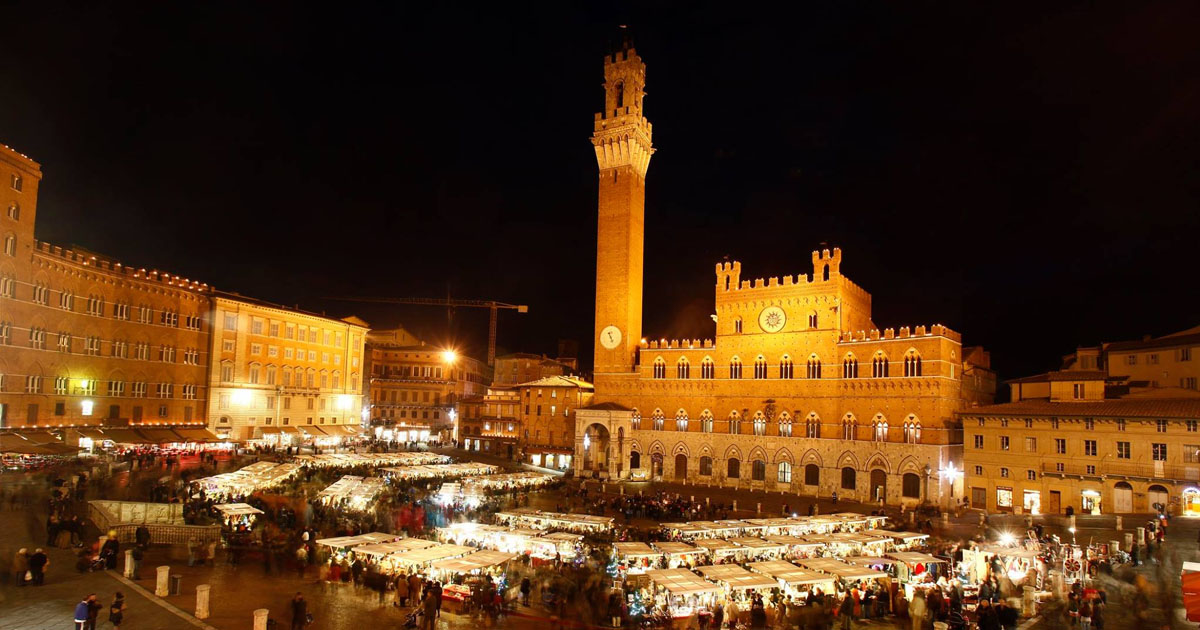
x: 410, y: 382
x: 522, y: 367
x: 278, y: 371
x: 547, y: 411
x: 85, y: 339
x: 490, y: 423
x: 798, y: 391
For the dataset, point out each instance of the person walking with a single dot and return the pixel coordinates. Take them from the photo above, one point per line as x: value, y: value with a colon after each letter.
x: 20, y: 565
x: 116, y: 612
x: 299, y: 612
x: 846, y: 611
x: 525, y: 588
x: 301, y: 560
x: 429, y: 606
x: 38, y: 563
x: 81, y: 611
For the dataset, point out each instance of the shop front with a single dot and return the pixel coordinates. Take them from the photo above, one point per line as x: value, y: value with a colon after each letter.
x: 1191, y: 501
x: 1090, y: 501
x: 1031, y: 502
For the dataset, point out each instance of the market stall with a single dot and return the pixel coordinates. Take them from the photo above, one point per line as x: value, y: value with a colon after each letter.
x: 738, y: 581
x: 862, y: 544
x: 795, y: 546
x: 438, y: 471
x: 578, y: 523
x: 680, y: 593
x: 793, y: 580
x: 247, y: 480
x: 848, y: 573
x: 635, y: 557
x: 237, y: 515
x: 718, y: 547
x: 914, y: 568
x: 679, y: 554
x: 417, y: 560
x: 753, y: 548
x: 455, y: 596
x: 347, y: 460
x: 353, y: 493
x: 901, y: 541
x: 511, y: 481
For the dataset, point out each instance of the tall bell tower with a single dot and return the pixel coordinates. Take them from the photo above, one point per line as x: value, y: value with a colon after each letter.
x: 622, y: 140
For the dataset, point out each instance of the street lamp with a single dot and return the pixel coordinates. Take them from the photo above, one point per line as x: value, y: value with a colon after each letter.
x: 1072, y: 530
x: 952, y: 475
x: 449, y: 356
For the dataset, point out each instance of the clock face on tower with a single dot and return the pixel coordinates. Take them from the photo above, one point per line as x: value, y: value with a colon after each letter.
x: 772, y: 319
x: 610, y: 337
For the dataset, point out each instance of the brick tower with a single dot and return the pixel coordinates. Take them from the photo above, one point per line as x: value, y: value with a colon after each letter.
x: 623, y: 150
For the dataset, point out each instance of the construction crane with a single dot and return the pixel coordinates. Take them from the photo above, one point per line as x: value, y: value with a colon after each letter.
x: 492, y: 305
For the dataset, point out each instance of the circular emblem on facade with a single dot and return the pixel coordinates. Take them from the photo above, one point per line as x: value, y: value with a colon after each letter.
x: 772, y: 319
x: 610, y: 337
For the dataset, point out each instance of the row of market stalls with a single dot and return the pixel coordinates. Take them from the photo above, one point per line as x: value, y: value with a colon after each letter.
x: 71, y: 440
x: 536, y: 519
x: 352, y: 492
x: 323, y: 435
x: 537, y: 544
x: 472, y: 491
x: 842, y: 522
x: 438, y: 471
x: 347, y: 460
x: 247, y: 480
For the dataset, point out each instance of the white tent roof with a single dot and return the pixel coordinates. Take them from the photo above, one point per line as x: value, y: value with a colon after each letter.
x: 478, y: 560
x: 681, y: 582
x: 790, y: 573
x: 737, y: 578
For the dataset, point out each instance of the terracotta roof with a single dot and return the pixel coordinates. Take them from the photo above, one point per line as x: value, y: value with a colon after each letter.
x: 608, y: 406
x: 558, y: 381
x: 1062, y: 375
x: 1170, y: 341
x: 1117, y: 408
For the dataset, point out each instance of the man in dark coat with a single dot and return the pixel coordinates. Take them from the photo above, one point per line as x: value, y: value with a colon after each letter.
x: 299, y: 612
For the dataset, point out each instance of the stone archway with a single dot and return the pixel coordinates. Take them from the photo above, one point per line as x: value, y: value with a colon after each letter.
x: 681, y: 462
x: 878, y: 485
x: 596, y: 449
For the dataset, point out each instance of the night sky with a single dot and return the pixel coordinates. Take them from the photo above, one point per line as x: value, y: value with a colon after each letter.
x: 1028, y: 180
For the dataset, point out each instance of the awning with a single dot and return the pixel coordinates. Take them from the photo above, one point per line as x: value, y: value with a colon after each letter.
x: 347, y: 429
x: 40, y: 437
x: 196, y: 435
x: 125, y: 436
x: 159, y: 436
x: 314, y: 430
x: 13, y: 443
x: 290, y: 430
x: 271, y: 430
x: 95, y: 434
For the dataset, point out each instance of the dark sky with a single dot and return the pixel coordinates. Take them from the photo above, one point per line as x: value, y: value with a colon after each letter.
x: 1029, y: 180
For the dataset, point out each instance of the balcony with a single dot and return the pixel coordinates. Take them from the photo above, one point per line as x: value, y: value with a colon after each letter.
x: 1107, y: 468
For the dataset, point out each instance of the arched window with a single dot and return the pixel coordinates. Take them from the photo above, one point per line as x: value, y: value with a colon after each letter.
x: 825, y: 273
x: 784, y: 474
x: 337, y: 379
x: 287, y: 376
x: 254, y: 373
x: 620, y: 90
x: 737, y: 325
x: 912, y: 430
x: 706, y: 368
x: 683, y: 368
x: 660, y: 368
x: 814, y: 367
x: 681, y: 420
x: 635, y: 420
x: 657, y: 419
x: 879, y: 366
x: 849, y: 476
x: 785, y: 367
x: 881, y: 429
x: 812, y: 319
x: 635, y: 459
x: 912, y: 364
x: 850, y: 367
x: 706, y: 421
x: 849, y: 428
x: 760, y: 423
x: 812, y: 426
x: 910, y: 486
x: 14, y: 212
x: 270, y: 375
x: 735, y: 423
x: 735, y: 368
x: 812, y: 475
x: 10, y: 245
x: 785, y: 424
x: 760, y: 367
x: 733, y: 468
x: 758, y: 470
x: 705, y: 466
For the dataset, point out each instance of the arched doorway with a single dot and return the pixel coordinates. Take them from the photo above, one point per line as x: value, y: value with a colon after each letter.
x: 596, y: 449
x: 878, y: 484
x: 635, y: 460
x: 680, y: 467
x: 1123, y: 498
x: 656, y: 466
x: 1191, y: 501
x: 1158, y: 496
x: 910, y: 486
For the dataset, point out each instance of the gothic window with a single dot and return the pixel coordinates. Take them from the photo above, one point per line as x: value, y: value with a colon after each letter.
x: 733, y: 468
x: 660, y: 368
x: 737, y: 325
x: 850, y: 367
x: 657, y: 419
x: 879, y: 366
x: 635, y: 421
x: 812, y: 319
x: 812, y: 475
x: 814, y: 367
x: 812, y: 426
x: 910, y: 486
x: 706, y: 421
x: 849, y: 428
x: 735, y: 423
x: 681, y: 420
x: 705, y: 466
x: 785, y: 424
x: 848, y: 478
x: 760, y: 367
x: 912, y: 364
x: 912, y: 430
x: 881, y: 429
x: 635, y: 460
x: 758, y: 470
x: 784, y: 473
x: 735, y: 368
x: 760, y: 424
x: 682, y: 368
x: 785, y: 367
x: 706, y: 368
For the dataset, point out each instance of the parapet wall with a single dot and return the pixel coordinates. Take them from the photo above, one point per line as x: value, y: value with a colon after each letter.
x: 936, y: 330
x: 117, y: 268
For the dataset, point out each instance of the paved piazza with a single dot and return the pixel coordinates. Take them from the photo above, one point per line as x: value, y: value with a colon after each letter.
x: 244, y: 578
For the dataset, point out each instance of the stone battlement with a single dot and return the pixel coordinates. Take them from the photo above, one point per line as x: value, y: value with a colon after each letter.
x: 677, y: 344
x: 89, y: 260
x: 936, y: 330
x: 826, y: 268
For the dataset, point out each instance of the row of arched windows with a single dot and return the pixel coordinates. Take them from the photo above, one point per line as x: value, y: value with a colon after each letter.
x: 910, y: 483
x: 758, y: 425
x: 879, y: 367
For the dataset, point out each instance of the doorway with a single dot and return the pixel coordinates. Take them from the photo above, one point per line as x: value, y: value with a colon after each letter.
x: 1090, y: 501
x: 1031, y: 502
x: 656, y: 466
x: 1191, y: 502
x: 1158, y: 497
x: 680, y: 467
x: 979, y: 498
x: 878, y: 485
x: 1123, y: 498
x: 1054, y: 502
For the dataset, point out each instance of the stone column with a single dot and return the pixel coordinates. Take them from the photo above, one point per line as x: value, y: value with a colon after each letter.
x: 1128, y: 542
x: 1119, y: 523
x: 161, y: 586
x: 202, y: 601
x: 1140, y: 537
x: 1028, y: 604
x: 128, y: 563
x: 260, y: 619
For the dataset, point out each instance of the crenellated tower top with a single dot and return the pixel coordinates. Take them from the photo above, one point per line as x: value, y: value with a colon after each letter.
x: 622, y: 135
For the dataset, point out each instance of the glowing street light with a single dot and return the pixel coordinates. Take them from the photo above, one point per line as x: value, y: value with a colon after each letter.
x: 449, y: 356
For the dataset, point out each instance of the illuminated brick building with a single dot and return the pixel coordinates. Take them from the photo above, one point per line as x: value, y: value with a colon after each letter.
x: 799, y: 390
